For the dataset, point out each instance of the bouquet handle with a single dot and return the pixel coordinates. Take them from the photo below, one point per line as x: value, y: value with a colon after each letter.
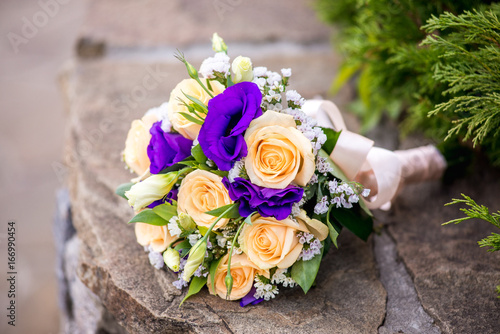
x: 384, y: 172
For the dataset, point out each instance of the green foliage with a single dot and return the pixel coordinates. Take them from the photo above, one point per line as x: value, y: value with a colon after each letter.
x: 480, y: 211
x: 470, y: 66
x: 453, y: 74
x: 304, y: 272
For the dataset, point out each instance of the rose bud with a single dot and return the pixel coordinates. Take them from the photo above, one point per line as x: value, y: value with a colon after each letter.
x: 242, y: 69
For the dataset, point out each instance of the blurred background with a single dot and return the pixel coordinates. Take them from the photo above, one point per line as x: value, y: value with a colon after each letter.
x: 32, y: 119
x: 40, y: 38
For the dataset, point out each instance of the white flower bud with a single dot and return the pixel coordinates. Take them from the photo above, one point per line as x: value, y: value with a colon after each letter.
x: 186, y: 221
x: 242, y: 69
x: 151, y: 189
x: 195, y: 259
x: 218, y: 43
x: 172, y: 259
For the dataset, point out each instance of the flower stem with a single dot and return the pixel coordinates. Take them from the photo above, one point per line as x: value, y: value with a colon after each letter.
x: 229, y: 276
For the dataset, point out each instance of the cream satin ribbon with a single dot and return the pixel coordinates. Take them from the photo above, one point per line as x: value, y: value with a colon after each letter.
x: 375, y: 168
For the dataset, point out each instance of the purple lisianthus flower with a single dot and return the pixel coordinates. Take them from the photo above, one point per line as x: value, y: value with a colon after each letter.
x: 268, y: 202
x: 229, y: 114
x: 166, y: 149
x: 250, y: 299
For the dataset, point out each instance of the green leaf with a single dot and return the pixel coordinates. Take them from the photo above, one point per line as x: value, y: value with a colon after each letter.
x: 165, y: 211
x: 304, y: 272
x: 194, y: 287
x: 355, y: 220
x: 248, y: 220
x: 233, y: 213
x: 331, y: 139
x: 345, y: 73
x: 191, y: 118
x: 198, y: 154
x: 334, y: 231
x: 363, y: 206
x: 213, y: 268
x: 148, y: 217
x: 185, y: 246
x: 190, y: 163
x: 229, y: 81
x: 122, y: 188
x: 203, y: 230
x: 337, y: 172
x: 174, y: 168
x: 197, y: 102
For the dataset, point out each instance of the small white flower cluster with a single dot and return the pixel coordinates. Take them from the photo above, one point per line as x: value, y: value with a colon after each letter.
x: 308, y: 126
x: 271, y: 85
x: 264, y: 290
x: 279, y: 277
x: 236, y: 170
x: 155, y: 258
x: 296, y: 207
x: 312, y: 246
x: 286, y: 72
x: 215, y: 67
x: 294, y: 99
x: 201, y: 271
x: 322, y: 206
x: 173, y: 227
x: 161, y: 113
x: 226, y: 240
x: 194, y: 237
x: 323, y: 166
x: 313, y: 180
x: 344, y: 194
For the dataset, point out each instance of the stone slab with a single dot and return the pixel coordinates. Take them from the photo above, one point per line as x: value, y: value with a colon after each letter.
x: 348, y: 297
x: 454, y: 278
x: 157, y: 23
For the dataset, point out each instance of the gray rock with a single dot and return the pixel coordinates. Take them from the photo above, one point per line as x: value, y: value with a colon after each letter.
x: 454, y: 278
x: 404, y: 310
x: 348, y: 297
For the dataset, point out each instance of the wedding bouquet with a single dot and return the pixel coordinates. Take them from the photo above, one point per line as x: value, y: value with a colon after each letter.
x: 240, y: 189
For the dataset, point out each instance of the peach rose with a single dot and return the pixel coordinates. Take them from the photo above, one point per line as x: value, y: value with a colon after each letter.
x: 278, y: 153
x: 135, y: 154
x: 202, y: 191
x: 157, y: 237
x: 184, y: 126
x: 272, y: 243
x: 243, y: 272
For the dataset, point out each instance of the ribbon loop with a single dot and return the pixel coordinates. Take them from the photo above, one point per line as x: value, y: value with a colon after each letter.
x: 375, y: 168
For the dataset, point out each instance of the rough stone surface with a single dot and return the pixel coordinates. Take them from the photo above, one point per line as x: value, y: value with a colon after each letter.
x: 454, y: 278
x: 348, y: 296
x: 81, y: 310
x: 404, y: 311
x: 157, y: 23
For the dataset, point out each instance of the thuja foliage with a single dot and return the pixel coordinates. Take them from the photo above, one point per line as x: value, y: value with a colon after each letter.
x: 415, y: 59
x: 475, y: 210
